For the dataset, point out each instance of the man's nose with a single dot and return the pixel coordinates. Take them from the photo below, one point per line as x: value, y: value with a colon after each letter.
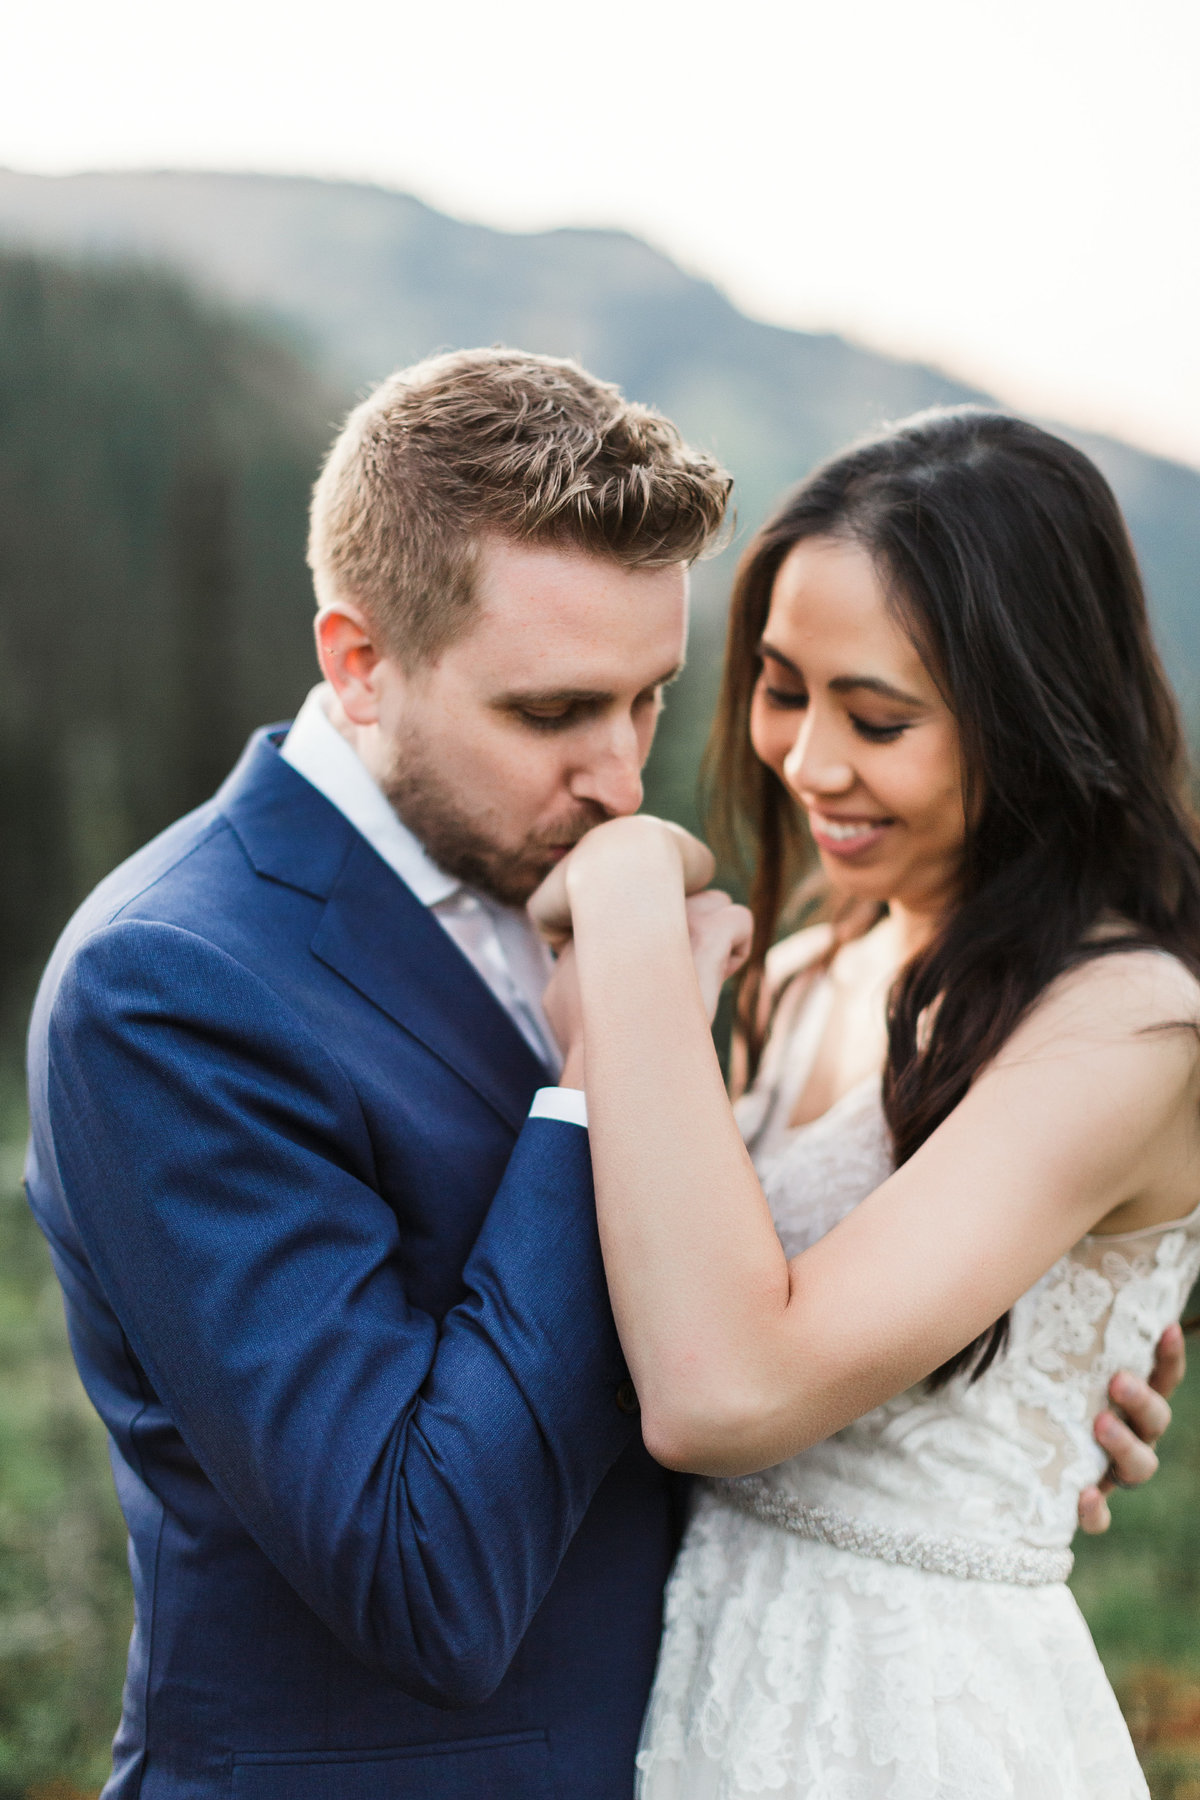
x: 816, y: 762
x: 611, y: 776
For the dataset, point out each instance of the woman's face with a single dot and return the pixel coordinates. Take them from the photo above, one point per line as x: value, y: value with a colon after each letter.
x: 847, y: 715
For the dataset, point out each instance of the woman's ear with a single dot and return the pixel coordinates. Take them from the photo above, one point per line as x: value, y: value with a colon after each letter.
x: 351, y: 659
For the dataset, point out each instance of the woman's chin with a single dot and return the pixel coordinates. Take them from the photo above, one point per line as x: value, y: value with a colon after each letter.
x: 856, y: 881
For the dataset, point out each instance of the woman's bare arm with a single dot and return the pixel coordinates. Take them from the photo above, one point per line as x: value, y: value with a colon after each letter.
x: 741, y: 1359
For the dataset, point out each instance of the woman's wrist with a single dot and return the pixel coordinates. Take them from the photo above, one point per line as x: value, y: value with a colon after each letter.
x: 625, y: 859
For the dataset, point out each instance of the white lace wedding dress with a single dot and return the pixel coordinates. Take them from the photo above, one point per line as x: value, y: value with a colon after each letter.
x: 885, y: 1617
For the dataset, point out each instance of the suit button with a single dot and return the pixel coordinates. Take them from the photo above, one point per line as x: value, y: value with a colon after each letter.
x: 627, y: 1398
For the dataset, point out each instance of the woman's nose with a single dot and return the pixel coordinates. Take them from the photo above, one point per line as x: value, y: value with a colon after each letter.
x: 816, y: 762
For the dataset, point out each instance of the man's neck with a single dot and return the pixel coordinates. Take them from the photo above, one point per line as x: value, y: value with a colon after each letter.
x: 366, y: 741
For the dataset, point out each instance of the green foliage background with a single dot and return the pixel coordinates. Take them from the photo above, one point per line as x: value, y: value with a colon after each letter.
x: 156, y: 451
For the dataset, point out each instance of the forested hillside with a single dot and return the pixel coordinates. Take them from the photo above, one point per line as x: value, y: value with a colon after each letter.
x: 155, y: 460
x: 365, y: 279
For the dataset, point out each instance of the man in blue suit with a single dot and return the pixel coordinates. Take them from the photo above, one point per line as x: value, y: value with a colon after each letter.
x: 322, y: 1218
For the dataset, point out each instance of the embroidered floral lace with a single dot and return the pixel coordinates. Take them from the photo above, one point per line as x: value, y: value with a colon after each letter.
x: 885, y: 1617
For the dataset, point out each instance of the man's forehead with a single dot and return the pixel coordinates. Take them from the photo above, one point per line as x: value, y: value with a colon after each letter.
x: 515, y: 581
x: 567, y: 620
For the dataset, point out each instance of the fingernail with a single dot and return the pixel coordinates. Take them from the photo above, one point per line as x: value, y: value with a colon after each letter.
x: 1105, y: 1426
x: 1120, y: 1387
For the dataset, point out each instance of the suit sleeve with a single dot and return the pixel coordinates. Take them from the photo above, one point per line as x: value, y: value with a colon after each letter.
x: 417, y: 1484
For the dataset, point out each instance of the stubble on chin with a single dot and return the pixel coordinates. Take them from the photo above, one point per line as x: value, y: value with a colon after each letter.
x: 460, y: 843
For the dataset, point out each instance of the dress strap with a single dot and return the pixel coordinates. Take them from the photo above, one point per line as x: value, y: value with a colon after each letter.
x: 796, y: 1032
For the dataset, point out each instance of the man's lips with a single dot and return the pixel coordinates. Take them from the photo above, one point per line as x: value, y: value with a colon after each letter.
x: 847, y: 836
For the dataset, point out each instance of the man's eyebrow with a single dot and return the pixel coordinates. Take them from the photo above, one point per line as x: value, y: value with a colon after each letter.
x: 848, y: 684
x: 577, y: 696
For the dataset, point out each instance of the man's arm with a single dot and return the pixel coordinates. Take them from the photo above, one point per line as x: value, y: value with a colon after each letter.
x: 417, y: 1484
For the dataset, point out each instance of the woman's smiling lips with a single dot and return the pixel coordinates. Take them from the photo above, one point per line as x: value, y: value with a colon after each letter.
x: 845, y: 837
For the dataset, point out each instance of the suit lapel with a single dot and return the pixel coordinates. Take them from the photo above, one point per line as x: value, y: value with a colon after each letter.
x: 379, y: 937
x: 375, y: 933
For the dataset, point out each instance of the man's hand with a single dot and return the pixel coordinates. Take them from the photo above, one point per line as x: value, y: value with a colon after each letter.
x: 562, y: 1008
x: 1130, y: 1439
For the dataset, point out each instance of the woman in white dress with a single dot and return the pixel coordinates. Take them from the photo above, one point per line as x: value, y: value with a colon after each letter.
x: 881, y: 1315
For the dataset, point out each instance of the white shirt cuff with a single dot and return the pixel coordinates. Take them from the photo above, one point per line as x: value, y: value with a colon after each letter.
x: 567, y: 1105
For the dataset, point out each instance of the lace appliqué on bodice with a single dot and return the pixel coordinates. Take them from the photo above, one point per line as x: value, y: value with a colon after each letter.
x: 1006, y: 1457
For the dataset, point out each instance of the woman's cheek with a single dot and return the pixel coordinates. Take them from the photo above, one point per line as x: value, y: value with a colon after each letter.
x: 770, y: 739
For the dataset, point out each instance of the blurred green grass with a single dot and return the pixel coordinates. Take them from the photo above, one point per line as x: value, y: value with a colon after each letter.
x: 64, y: 1590
x: 1139, y: 1589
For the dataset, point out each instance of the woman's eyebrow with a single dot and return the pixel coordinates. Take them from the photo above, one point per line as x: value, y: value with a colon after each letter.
x: 847, y: 684
x: 765, y: 649
x: 872, y: 684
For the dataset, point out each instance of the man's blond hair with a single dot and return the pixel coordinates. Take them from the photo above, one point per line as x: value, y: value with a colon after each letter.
x: 496, y: 442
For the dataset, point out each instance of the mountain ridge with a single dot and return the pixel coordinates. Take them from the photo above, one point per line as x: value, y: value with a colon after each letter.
x: 364, y: 279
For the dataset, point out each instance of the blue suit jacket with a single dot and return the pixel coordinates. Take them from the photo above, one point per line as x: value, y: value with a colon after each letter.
x: 342, y: 1311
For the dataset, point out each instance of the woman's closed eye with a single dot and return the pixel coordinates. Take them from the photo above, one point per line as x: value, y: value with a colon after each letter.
x: 877, y: 732
x: 873, y: 731
x: 786, y: 697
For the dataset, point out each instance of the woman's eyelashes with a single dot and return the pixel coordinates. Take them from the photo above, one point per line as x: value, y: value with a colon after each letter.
x: 787, y: 698
x: 878, y: 734
x: 872, y: 731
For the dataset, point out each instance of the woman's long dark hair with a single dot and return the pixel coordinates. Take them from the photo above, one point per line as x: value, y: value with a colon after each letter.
x: 1007, y: 560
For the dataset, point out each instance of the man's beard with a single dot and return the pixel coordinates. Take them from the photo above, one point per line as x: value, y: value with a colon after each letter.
x: 460, y: 844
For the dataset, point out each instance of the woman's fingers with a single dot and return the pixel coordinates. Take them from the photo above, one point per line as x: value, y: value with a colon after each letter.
x: 699, y: 863
x: 720, y: 934
x: 742, y: 939
x: 550, y: 908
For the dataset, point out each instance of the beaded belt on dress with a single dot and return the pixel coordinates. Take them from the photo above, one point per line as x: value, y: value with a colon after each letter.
x: 965, y: 1557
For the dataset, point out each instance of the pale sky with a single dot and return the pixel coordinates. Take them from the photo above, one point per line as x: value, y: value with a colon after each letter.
x: 1007, y: 188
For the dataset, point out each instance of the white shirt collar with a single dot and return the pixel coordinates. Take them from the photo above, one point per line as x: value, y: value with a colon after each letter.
x: 316, y: 749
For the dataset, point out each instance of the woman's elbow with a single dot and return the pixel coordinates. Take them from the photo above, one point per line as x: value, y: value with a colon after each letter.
x: 717, y: 1434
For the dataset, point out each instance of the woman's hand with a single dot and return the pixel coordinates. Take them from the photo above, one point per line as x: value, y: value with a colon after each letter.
x: 638, y: 846
x: 720, y: 934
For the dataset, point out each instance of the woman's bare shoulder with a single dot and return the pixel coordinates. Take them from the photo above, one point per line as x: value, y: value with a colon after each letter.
x: 1118, y: 996
x: 1139, y: 986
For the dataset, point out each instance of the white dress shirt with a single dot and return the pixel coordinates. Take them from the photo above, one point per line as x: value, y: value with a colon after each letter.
x: 499, y: 941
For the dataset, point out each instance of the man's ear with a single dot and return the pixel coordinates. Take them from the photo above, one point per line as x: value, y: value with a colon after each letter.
x: 351, y: 659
